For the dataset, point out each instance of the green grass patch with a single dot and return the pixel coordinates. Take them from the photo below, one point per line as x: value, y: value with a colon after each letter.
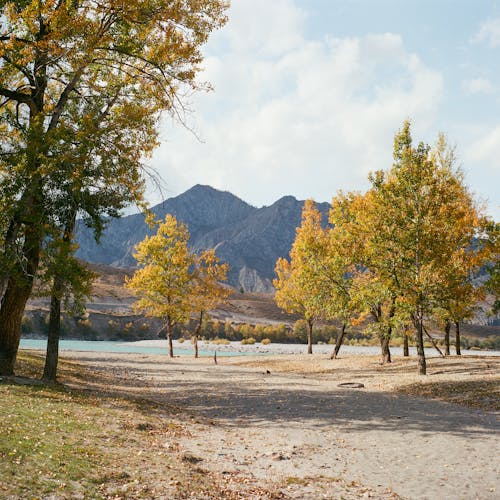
x: 48, y: 442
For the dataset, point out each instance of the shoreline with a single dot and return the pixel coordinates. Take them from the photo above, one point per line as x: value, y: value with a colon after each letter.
x: 160, y: 347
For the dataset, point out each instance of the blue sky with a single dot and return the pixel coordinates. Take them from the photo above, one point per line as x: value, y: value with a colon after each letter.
x: 309, y: 93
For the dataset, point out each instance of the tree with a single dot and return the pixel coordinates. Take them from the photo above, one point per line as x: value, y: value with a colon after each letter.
x: 68, y: 283
x: 206, y: 289
x: 81, y: 168
x: 163, y: 281
x: 340, y: 267
x: 419, y: 220
x: 300, y: 282
x: 57, y: 57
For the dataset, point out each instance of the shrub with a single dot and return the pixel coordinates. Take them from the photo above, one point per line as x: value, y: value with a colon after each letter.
x: 220, y: 341
x: 180, y: 340
x: 265, y: 341
x: 248, y: 341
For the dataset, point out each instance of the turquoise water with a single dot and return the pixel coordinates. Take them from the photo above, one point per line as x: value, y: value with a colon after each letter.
x: 110, y: 346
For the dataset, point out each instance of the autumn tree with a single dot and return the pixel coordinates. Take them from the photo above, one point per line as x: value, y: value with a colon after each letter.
x: 91, y: 185
x: 207, y: 291
x: 300, y: 284
x: 419, y: 221
x: 338, y: 267
x: 57, y: 58
x: 164, y: 278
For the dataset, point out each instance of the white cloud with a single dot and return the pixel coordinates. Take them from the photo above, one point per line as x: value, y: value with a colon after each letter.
x: 489, y: 33
x: 478, y: 86
x: 485, y: 149
x: 292, y: 115
x: 481, y: 155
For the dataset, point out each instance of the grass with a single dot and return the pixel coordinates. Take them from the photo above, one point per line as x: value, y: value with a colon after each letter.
x: 63, y: 443
x: 50, y: 436
x: 72, y: 444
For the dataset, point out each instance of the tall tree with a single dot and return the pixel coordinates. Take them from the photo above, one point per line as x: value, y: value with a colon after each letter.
x: 138, y: 57
x: 300, y: 284
x: 207, y: 291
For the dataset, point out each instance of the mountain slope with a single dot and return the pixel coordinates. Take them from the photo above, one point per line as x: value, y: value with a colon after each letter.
x: 249, y: 239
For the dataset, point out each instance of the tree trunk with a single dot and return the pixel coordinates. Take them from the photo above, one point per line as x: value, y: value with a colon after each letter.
x: 433, y: 342
x: 169, y: 338
x: 309, y: 336
x: 457, y: 338
x: 386, y: 352
x: 196, y: 333
x: 52, y: 356
x: 340, y: 340
x: 447, y: 328
x: 13, y: 303
x: 422, y: 366
x: 11, y: 314
x: 406, y: 348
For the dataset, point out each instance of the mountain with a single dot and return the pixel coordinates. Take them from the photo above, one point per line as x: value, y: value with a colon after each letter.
x: 249, y: 239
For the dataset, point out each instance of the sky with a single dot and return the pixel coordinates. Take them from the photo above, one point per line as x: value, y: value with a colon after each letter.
x: 308, y: 94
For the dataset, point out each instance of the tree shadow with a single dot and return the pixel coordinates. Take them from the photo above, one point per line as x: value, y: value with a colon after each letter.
x: 233, y: 397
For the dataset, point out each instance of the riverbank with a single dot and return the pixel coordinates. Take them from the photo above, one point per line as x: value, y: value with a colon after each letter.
x: 208, y: 349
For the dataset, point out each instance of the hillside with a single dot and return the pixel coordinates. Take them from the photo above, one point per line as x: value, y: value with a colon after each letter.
x: 250, y: 239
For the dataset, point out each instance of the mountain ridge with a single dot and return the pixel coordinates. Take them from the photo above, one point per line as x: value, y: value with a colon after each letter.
x: 248, y: 238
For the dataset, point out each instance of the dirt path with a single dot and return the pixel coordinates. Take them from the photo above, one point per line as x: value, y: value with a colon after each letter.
x: 297, y: 429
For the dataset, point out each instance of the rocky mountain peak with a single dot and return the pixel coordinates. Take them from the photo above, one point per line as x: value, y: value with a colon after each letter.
x: 250, y: 239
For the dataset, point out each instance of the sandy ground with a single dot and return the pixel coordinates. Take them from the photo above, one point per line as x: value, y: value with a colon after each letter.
x: 301, y: 428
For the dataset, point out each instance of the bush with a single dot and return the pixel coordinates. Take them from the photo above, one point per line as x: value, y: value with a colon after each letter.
x: 249, y: 341
x: 218, y: 341
x: 181, y: 340
x: 265, y: 341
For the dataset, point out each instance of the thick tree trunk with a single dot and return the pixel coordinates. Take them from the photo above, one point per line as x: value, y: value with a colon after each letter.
x: 406, y: 348
x: 385, y: 340
x: 309, y: 336
x: 447, y: 328
x: 386, y: 352
x: 422, y: 365
x: 196, y: 334
x: 14, y: 300
x: 52, y: 355
x: 30, y: 214
x: 457, y: 338
x: 11, y: 314
x: 339, y: 342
